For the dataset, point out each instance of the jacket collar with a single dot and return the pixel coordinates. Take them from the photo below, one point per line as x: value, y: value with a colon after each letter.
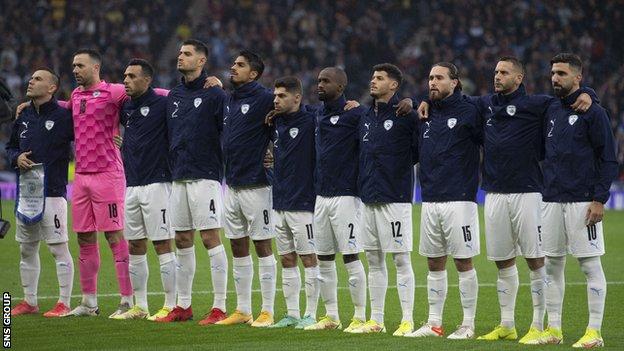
x: 570, y: 99
x: 335, y: 106
x: 448, y: 101
x: 246, y: 90
x: 383, y: 107
x: 136, y: 102
x: 505, y: 99
x: 46, y: 107
x: 197, y: 83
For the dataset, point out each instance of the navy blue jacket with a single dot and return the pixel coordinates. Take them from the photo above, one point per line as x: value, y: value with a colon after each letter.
x: 245, y: 136
x: 388, y: 152
x: 580, y: 161
x: 293, y: 170
x: 146, y: 146
x: 337, y: 149
x: 513, y: 142
x: 195, y: 121
x: 48, y: 134
x: 449, y: 151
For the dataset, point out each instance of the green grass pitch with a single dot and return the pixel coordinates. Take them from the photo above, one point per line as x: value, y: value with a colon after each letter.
x: 38, y: 333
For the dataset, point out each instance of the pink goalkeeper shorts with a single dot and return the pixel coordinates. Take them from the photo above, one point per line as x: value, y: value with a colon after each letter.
x: 98, y: 202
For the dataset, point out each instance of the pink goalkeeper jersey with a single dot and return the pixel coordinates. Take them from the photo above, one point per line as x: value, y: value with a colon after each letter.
x: 96, y: 120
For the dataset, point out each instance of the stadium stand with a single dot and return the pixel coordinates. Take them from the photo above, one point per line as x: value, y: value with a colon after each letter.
x: 302, y: 37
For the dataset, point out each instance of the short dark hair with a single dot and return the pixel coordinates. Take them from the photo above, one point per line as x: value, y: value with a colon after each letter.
x: 93, y: 54
x: 292, y: 84
x: 453, y: 72
x: 146, y: 67
x: 514, y: 61
x: 199, y: 46
x: 572, y: 59
x: 254, y: 60
x: 56, y: 79
x: 392, y: 70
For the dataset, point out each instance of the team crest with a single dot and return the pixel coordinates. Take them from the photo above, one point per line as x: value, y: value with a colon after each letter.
x: 245, y: 108
x: 197, y: 102
x: 293, y: 132
x: 451, y: 122
x: 388, y: 124
x: 96, y: 93
x: 572, y: 119
x: 511, y: 110
x: 49, y: 124
x: 334, y: 119
x: 144, y: 110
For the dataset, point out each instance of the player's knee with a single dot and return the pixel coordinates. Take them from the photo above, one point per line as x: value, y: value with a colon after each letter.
x: 184, y: 241
x: 309, y: 260
x: 436, y: 263
x: 28, y: 250
x: 349, y: 258
x: 506, y: 263
x: 590, y: 265
x: 402, y: 259
x: 463, y: 264
x: 137, y: 247
x: 263, y: 247
x: 58, y: 250
x: 210, y: 238
x: 87, y: 238
x: 535, y: 263
x: 289, y: 260
x: 162, y: 246
x: 326, y: 257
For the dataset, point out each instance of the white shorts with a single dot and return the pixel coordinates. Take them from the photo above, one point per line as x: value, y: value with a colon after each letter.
x: 196, y: 205
x: 564, y: 231
x: 52, y: 228
x: 387, y: 227
x: 247, y: 212
x: 337, y: 225
x: 147, y: 212
x: 512, y: 225
x: 449, y: 228
x: 294, y: 232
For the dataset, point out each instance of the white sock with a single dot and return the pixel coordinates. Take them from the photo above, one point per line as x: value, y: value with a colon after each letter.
x: 185, y: 273
x: 127, y: 300
x: 596, y: 289
x: 377, y: 283
x: 405, y: 284
x: 554, y: 289
x: 89, y: 300
x: 507, y: 288
x: 64, y: 271
x: 291, y: 285
x: 30, y: 266
x: 437, y: 286
x: 267, y: 269
x: 311, y: 290
x: 357, y: 284
x: 139, y: 273
x: 328, y: 281
x: 243, y: 275
x: 538, y: 277
x: 468, y: 293
x: 219, y: 271
x: 168, y: 277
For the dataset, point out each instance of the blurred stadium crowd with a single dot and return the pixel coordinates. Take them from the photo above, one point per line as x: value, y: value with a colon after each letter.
x: 301, y: 37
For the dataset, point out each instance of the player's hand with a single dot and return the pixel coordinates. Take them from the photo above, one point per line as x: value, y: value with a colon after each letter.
x: 423, y: 110
x: 21, y: 108
x: 351, y: 104
x: 268, y: 159
x: 404, y: 107
x: 583, y: 103
x: 23, y: 162
x: 268, y: 119
x: 118, y: 140
x: 595, y: 212
x: 213, y: 81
